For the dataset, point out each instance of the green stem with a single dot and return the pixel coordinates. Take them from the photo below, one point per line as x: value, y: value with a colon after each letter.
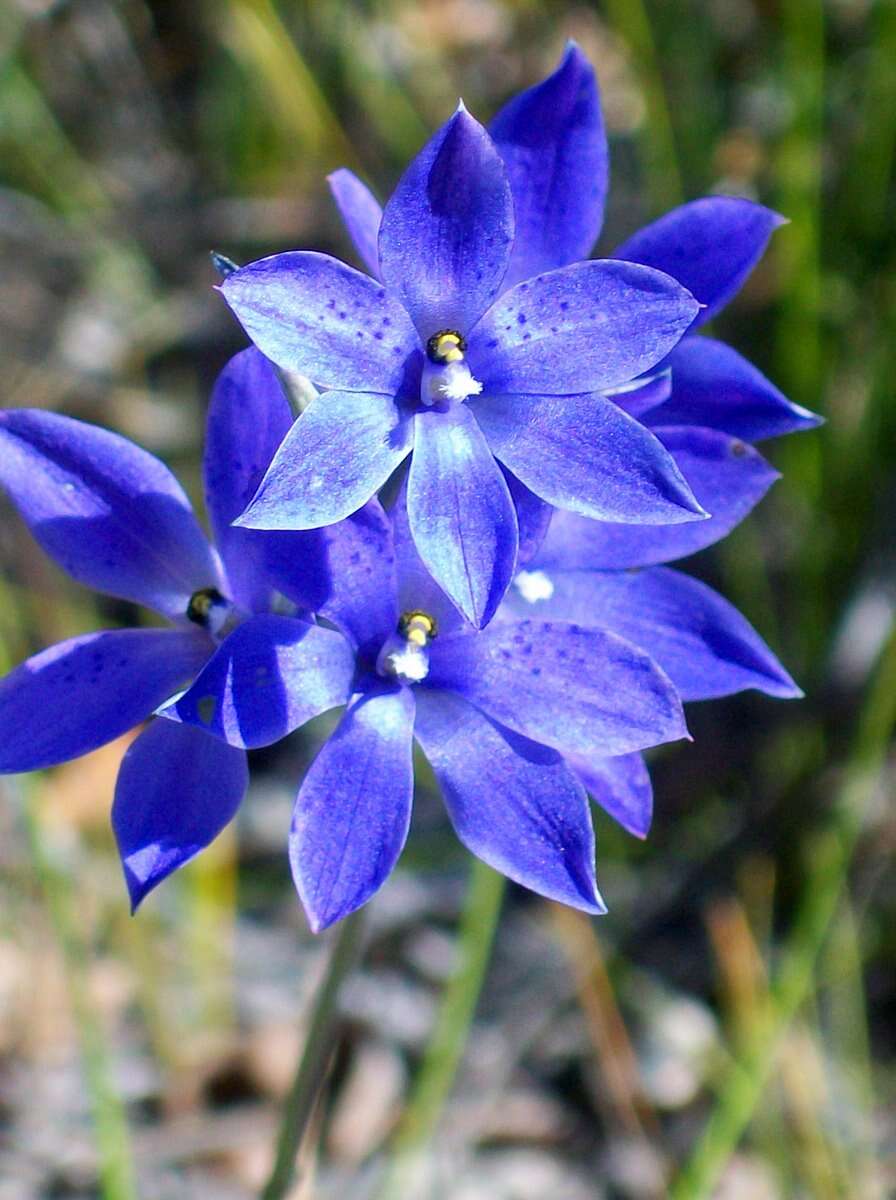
x: 116, y: 1169
x: 831, y: 854
x: 314, y: 1059
x: 443, y: 1054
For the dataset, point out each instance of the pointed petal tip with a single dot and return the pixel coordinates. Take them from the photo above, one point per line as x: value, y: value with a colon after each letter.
x: 320, y: 922
x: 244, y: 520
x: 138, y: 889
x: 595, y: 904
x: 783, y: 686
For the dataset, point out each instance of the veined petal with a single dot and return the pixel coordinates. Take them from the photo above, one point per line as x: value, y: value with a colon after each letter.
x: 84, y: 692
x: 554, y: 146
x: 728, y: 478
x: 343, y: 571
x: 710, y: 245
x: 176, y: 790
x: 268, y: 677
x: 361, y: 594
x: 513, y: 802
x: 313, y: 314
x: 585, y: 328
x: 583, y: 453
x: 714, y: 386
x: 248, y: 418
x: 644, y: 394
x: 533, y: 516
x: 579, y: 690
x: 343, y: 447
x: 361, y: 214
x: 353, y: 811
x: 446, y: 232
x: 417, y: 590
x: 461, y: 515
x: 621, y: 786
x: 700, y: 640
x: 107, y: 512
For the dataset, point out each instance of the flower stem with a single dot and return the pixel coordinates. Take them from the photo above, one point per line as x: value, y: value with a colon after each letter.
x: 314, y: 1059
x: 442, y: 1056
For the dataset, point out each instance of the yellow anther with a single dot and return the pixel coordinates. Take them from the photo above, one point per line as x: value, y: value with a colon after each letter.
x: 446, y: 347
x: 417, y: 628
x: 201, y: 604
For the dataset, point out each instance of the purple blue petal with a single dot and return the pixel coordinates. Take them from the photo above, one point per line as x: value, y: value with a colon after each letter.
x: 343, y: 447
x: 583, y: 453
x: 311, y: 313
x: 514, y: 803
x: 447, y: 230
x: 461, y: 515
x: 700, y: 640
x: 176, y: 790
x: 554, y: 146
x: 727, y: 477
x: 710, y: 246
x: 621, y: 786
x: 353, y: 810
x: 79, y: 694
x: 268, y: 677
x: 578, y: 690
x: 585, y: 328
x: 714, y: 386
x: 361, y: 214
x: 107, y: 512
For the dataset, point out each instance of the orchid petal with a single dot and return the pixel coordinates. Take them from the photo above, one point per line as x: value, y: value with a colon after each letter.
x: 554, y: 146
x: 513, y: 802
x: 311, y: 313
x: 446, y: 233
x: 583, y: 453
x: 268, y: 677
x: 353, y: 811
x: 361, y: 214
x: 579, y: 690
x: 343, y: 447
x: 107, y: 512
x: 87, y: 691
x: 176, y: 790
x: 710, y: 245
x: 461, y: 515
x: 727, y: 477
x: 584, y: 328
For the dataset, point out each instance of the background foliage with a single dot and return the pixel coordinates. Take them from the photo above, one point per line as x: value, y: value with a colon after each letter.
x: 728, y: 1029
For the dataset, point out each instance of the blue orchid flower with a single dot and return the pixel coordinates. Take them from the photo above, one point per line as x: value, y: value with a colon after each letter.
x: 114, y: 518
x: 440, y: 360
x: 495, y: 712
x: 553, y: 144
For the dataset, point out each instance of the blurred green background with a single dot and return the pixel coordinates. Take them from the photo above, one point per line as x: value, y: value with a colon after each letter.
x: 728, y: 1030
